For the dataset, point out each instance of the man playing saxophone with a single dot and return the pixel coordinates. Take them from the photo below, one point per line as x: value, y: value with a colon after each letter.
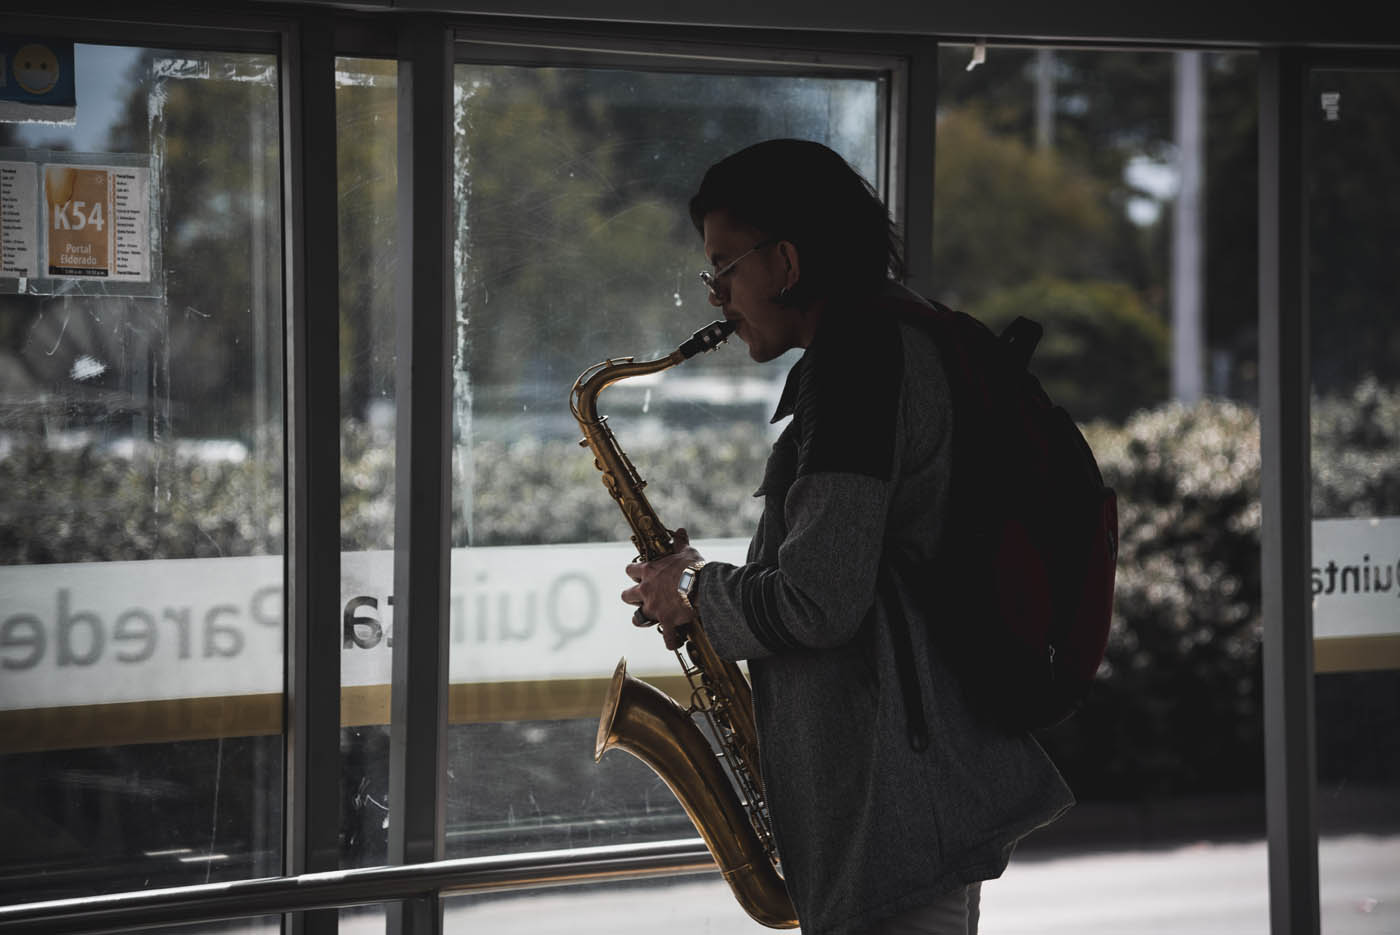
x: 875, y: 833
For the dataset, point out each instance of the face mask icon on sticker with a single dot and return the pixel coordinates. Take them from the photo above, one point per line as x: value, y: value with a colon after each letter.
x: 36, y: 68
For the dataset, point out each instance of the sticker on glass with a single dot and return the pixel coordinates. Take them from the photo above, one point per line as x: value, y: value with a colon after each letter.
x: 96, y: 222
x: 19, y: 222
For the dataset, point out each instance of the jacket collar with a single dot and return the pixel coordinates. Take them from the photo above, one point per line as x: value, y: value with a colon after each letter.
x: 787, y: 402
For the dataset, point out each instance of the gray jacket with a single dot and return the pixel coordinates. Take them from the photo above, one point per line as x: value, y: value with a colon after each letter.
x: 866, y: 826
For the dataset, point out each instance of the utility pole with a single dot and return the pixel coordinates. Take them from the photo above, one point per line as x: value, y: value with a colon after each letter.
x: 1044, y: 99
x: 1188, y: 233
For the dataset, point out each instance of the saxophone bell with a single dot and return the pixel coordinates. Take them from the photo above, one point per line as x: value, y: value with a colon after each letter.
x: 653, y: 727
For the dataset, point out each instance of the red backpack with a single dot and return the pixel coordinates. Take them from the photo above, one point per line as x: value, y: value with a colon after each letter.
x: 1031, y: 539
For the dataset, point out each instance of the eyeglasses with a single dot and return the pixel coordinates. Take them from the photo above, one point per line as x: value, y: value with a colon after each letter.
x: 711, y: 278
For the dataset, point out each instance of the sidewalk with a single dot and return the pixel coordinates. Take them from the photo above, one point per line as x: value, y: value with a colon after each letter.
x: 1201, y: 889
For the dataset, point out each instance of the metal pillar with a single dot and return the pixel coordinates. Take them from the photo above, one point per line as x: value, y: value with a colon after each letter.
x: 311, y: 619
x: 1289, y: 718
x: 418, y: 734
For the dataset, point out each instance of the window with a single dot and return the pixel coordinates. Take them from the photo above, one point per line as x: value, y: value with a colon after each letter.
x: 366, y: 150
x: 141, y: 505
x: 1355, y: 361
x: 1109, y: 196
x: 574, y: 246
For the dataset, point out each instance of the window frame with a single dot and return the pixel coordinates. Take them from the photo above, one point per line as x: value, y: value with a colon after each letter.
x: 297, y: 34
x: 420, y: 685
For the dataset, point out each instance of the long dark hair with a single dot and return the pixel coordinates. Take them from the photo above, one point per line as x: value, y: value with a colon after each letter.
x: 803, y: 192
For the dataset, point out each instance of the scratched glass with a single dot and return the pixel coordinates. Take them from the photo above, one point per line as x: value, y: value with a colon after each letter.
x: 141, y: 506
x: 574, y: 246
x: 1352, y: 118
x: 366, y: 152
x: 1111, y: 196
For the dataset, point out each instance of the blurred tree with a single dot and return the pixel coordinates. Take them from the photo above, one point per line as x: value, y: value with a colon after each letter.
x: 212, y: 122
x: 1089, y: 321
x: 133, y: 377
x: 574, y: 240
x: 1112, y: 110
x: 1232, y: 223
x: 1353, y: 182
x: 1005, y: 214
x: 1108, y: 109
x: 545, y: 238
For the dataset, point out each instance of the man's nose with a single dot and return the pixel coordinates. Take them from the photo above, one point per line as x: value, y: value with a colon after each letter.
x: 716, y: 299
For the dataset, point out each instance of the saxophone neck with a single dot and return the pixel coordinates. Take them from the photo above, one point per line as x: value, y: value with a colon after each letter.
x: 649, y: 534
x: 592, y: 382
x: 600, y: 376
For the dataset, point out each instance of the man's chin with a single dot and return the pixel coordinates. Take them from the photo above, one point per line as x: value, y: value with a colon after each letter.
x: 761, y: 355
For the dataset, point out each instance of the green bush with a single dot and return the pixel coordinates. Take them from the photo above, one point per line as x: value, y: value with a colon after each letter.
x: 530, y: 491
x: 1177, y: 709
x: 1356, y: 438
x: 1177, y: 706
x: 88, y: 504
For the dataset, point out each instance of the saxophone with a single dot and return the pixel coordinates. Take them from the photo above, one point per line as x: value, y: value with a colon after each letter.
x: 648, y: 723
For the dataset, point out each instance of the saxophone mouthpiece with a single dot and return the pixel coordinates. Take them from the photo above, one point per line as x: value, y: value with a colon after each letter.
x: 707, y: 338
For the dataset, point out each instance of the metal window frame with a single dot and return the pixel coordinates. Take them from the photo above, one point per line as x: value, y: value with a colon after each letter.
x: 311, y: 817
x: 1238, y: 24
x: 213, y: 31
x: 423, y: 476
x: 711, y: 50
x: 311, y: 683
x: 1290, y: 716
x: 298, y: 34
x: 322, y: 894
x: 1285, y: 479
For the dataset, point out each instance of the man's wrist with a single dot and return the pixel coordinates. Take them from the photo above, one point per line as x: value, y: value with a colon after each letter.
x: 690, y: 576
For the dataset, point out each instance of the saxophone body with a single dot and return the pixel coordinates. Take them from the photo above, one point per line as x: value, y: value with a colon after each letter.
x: 725, y: 802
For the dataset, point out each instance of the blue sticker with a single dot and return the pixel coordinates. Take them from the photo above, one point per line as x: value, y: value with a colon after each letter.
x: 38, y: 74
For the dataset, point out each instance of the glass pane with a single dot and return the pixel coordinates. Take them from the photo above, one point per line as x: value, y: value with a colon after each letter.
x: 363, y: 920
x: 574, y: 246
x: 366, y: 150
x: 1111, y: 196
x: 1353, y: 238
x: 141, y: 505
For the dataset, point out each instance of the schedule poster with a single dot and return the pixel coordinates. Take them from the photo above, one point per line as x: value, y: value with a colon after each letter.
x: 19, y: 221
x: 97, y: 222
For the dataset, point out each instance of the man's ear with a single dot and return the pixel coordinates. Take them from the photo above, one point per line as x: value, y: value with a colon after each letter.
x: 788, y: 251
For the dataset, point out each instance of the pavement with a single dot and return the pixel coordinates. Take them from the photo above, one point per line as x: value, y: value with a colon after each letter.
x: 1198, y: 889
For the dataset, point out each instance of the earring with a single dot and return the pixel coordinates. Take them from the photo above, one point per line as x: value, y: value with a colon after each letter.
x: 784, y: 291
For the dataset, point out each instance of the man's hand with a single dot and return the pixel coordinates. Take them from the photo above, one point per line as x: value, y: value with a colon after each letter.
x: 655, y: 596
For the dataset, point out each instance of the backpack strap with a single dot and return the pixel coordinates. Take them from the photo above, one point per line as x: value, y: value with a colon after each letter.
x: 1019, y: 340
x: 915, y: 723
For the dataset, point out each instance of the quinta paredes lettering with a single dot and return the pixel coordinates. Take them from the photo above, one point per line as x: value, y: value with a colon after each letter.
x: 1364, y: 577
x: 76, y: 636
